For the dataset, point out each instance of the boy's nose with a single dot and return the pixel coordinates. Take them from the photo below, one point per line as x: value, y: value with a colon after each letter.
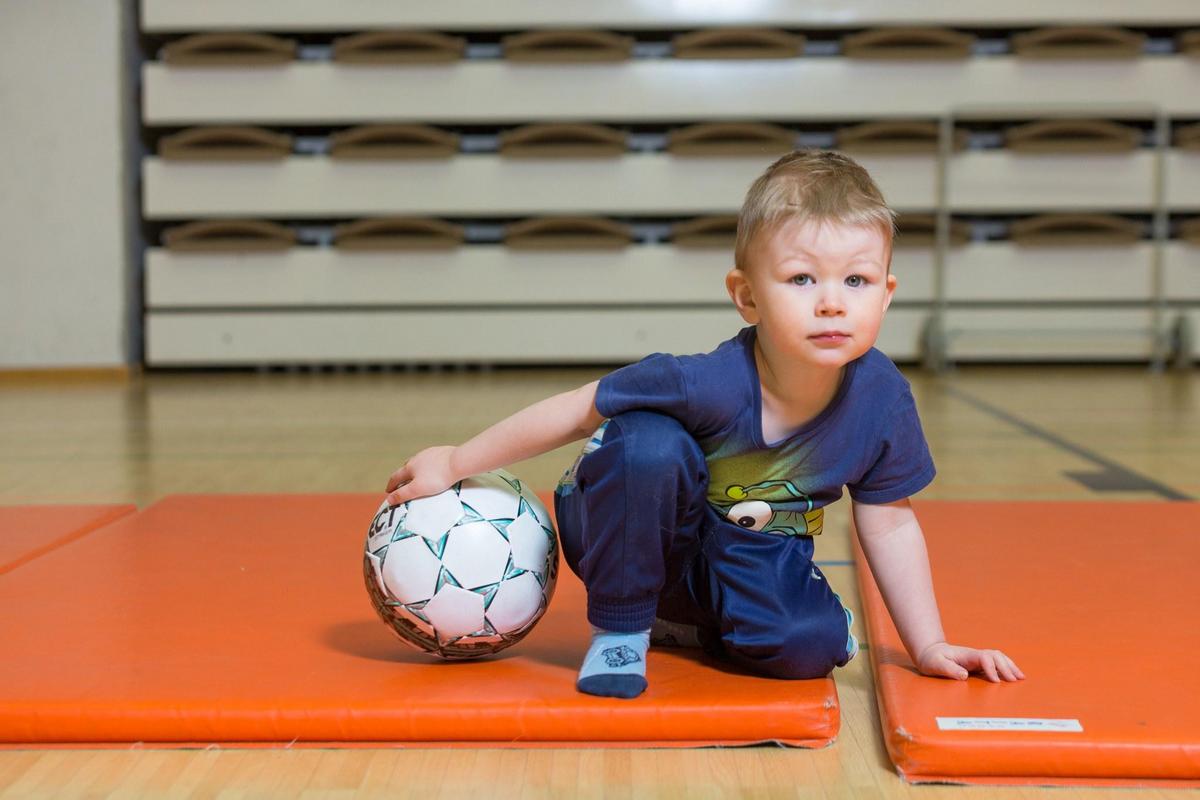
x: 829, y: 304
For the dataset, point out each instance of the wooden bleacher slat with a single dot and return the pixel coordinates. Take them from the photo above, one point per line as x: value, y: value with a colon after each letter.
x: 1006, y: 181
x: 653, y: 183
x: 1004, y: 271
x: 577, y: 336
x: 661, y: 274
x: 1057, y: 334
x: 470, y: 276
x: 986, y: 181
x: 654, y: 90
x: 300, y: 15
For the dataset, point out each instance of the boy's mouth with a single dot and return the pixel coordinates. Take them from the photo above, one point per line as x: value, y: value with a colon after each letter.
x: 829, y: 337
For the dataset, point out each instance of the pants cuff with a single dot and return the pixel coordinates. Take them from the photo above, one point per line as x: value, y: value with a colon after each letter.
x: 622, y: 616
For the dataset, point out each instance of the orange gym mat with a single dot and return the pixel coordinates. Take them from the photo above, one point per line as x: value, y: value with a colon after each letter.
x: 1098, y: 605
x: 243, y: 619
x: 27, y: 532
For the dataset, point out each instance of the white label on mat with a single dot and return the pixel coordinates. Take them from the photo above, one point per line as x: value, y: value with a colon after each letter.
x: 1008, y: 724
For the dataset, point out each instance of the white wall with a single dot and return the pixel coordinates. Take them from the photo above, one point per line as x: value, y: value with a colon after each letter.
x: 62, y: 218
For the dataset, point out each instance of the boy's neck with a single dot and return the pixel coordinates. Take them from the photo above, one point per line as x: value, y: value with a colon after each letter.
x: 798, y: 392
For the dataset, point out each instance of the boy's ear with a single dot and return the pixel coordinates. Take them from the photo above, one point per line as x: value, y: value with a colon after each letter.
x: 891, y: 290
x: 739, y: 291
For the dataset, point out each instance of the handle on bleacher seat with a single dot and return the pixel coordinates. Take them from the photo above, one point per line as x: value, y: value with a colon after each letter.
x: 706, y: 232
x: 398, y: 47
x: 562, y: 140
x: 1072, y: 136
x: 1073, y: 230
x: 568, y: 46
x: 398, y: 233
x: 920, y: 230
x: 1189, y: 231
x: 225, y: 143
x: 1188, y: 43
x: 894, y: 136
x: 1187, y: 137
x: 1079, y: 42
x: 229, y: 49
x: 738, y: 43
x: 229, y: 235
x: 730, y: 139
x: 393, y: 141
x: 567, y: 233
x: 908, y: 44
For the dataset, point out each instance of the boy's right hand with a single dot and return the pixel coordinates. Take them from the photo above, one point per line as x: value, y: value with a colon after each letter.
x: 427, y: 473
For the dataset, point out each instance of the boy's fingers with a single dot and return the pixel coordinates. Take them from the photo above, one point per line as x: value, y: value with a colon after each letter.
x: 952, y: 669
x: 1014, y: 669
x: 1002, y: 671
x: 995, y: 665
x: 402, y: 475
x: 401, y: 494
x: 988, y: 662
x: 397, y: 497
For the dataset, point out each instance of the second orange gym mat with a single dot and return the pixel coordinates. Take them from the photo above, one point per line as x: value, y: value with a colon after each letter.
x: 27, y: 532
x: 1098, y: 604
x: 243, y: 619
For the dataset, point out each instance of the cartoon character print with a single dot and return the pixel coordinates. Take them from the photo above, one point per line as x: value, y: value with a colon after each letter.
x: 773, y: 507
x: 620, y: 656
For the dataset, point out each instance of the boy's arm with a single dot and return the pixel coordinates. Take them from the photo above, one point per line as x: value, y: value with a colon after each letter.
x: 894, y: 546
x: 537, y: 429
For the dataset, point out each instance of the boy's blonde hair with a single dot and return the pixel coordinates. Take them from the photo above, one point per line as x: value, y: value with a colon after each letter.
x: 817, y: 185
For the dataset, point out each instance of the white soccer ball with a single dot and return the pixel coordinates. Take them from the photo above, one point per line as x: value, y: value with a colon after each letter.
x: 466, y: 572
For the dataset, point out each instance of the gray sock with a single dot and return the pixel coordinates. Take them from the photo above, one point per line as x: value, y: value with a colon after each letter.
x: 615, y: 664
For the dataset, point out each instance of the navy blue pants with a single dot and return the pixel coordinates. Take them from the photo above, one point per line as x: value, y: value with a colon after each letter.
x: 636, y: 527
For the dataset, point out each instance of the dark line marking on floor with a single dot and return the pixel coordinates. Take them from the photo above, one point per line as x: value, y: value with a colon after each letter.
x: 1111, y: 477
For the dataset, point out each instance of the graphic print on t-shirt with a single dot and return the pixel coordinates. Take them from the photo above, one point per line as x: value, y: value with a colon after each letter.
x: 771, y: 506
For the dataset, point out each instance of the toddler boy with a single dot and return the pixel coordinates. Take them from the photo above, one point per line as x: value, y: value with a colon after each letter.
x: 691, y: 511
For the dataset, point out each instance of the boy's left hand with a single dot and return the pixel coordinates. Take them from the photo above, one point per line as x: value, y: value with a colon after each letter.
x: 952, y: 661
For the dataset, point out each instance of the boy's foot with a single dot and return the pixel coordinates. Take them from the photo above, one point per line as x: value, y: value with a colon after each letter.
x: 665, y: 633
x: 615, y: 664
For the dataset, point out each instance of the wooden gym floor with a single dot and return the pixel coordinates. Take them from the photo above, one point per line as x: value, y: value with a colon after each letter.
x: 1099, y: 433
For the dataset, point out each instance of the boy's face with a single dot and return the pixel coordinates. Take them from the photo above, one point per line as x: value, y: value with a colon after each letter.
x: 816, y: 291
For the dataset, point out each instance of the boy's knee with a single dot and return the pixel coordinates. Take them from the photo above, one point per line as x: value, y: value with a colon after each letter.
x: 809, y: 647
x: 656, y: 442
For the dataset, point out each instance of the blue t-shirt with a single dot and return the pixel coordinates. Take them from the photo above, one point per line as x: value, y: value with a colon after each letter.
x: 867, y: 439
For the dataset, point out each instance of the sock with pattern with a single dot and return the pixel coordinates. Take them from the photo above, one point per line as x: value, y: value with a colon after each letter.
x: 615, y: 664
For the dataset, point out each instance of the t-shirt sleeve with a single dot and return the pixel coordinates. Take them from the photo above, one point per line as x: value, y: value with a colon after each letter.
x: 656, y: 383
x: 904, y: 465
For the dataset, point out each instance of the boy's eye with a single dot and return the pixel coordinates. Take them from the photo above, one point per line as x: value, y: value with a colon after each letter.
x: 854, y: 281
x: 802, y: 280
